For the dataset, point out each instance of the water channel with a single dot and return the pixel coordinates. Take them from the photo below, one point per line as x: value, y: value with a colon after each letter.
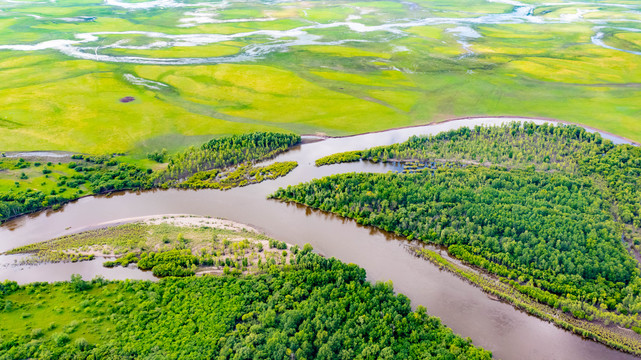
x: 508, y: 333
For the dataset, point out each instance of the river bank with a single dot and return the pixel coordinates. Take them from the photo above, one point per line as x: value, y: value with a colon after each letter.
x: 612, y: 335
x: 464, y: 308
x: 212, y: 240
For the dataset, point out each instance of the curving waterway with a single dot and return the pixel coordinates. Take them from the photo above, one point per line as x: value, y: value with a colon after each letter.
x: 91, y: 45
x: 508, y: 333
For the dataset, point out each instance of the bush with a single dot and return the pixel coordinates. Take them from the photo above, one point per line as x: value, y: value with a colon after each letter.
x: 77, y: 284
x: 60, y: 339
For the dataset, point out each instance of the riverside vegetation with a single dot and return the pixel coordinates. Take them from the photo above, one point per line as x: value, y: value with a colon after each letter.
x: 311, y: 308
x: 340, y: 67
x: 220, y: 163
x: 553, y: 211
x: 167, y: 247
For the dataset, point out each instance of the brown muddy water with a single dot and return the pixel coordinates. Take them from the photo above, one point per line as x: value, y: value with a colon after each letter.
x: 496, y: 326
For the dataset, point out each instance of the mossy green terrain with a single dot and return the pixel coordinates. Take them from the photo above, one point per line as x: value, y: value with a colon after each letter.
x: 203, y: 70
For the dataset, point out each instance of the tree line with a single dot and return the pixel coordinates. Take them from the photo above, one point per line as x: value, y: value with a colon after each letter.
x: 224, y: 152
x: 316, y: 308
x: 103, y: 174
x: 554, y: 209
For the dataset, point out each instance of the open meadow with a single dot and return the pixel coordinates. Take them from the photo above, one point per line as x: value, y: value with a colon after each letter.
x: 113, y: 76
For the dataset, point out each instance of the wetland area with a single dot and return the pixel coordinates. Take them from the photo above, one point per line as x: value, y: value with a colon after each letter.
x: 494, y: 325
x: 182, y: 137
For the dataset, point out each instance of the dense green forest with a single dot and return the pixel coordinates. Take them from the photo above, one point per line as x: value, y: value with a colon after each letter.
x: 225, y: 152
x: 315, y: 308
x: 344, y: 157
x: 30, y: 186
x: 563, y: 148
x: 531, y: 226
x: 554, y: 211
x: 243, y: 175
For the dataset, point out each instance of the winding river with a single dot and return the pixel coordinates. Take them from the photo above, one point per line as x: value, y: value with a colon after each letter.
x: 494, y: 325
x: 91, y: 45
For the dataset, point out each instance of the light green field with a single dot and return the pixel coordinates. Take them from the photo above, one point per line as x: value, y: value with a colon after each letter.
x: 32, y: 177
x: 185, y: 51
x: 65, y: 317
x: 293, y: 70
x: 270, y: 95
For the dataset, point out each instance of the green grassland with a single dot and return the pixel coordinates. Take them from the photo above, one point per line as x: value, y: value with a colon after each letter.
x: 14, y: 178
x: 343, y: 82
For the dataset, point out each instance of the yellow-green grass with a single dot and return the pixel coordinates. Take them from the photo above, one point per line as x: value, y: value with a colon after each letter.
x: 344, y: 51
x: 403, y: 100
x: 516, y: 40
x: 627, y: 41
x: 36, y: 180
x: 12, y: 31
x: 327, y: 14
x: 467, y: 6
x: 59, y: 310
x: 387, y: 78
x: 278, y: 24
x: 255, y: 11
x: 429, y: 48
x: 18, y: 72
x: 6, y: 23
x: 286, y: 11
x: 601, y: 67
x: 526, y: 50
x: 213, y: 50
x: 466, y: 9
x: 272, y: 95
x: 491, y: 93
x: 434, y: 32
x: 116, y: 22
x: 106, y: 24
x: 557, y: 11
x: 384, y: 5
x: 84, y: 114
x: 58, y: 11
x: 53, y: 102
x: 613, y: 15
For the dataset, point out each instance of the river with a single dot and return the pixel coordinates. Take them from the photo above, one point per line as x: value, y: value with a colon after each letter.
x: 508, y: 333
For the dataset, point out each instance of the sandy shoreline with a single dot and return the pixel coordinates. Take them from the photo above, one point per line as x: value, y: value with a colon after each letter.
x: 182, y: 220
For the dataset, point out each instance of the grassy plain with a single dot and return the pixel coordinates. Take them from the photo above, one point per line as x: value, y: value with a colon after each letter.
x: 13, y: 179
x: 386, y: 69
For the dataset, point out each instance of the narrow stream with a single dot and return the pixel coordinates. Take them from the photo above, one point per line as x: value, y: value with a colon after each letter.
x: 89, y: 46
x: 496, y: 326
